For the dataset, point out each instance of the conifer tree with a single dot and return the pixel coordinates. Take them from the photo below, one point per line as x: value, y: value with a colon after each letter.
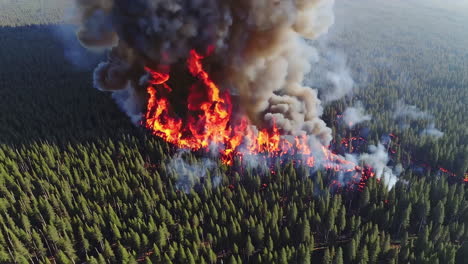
x: 327, y: 259
x: 338, y: 259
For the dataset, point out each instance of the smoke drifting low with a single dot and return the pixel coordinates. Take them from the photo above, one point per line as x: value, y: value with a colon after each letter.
x: 406, y: 113
x: 190, y: 173
x: 355, y: 115
x: 259, y: 51
x: 378, y: 160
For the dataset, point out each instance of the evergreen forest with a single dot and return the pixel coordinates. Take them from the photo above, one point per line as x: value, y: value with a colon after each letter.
x: 79, y: 183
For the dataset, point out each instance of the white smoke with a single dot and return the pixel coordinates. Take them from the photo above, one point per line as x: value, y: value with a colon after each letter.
x: 130, y: 103
x: 189, y: 172
x: 432, y: 131
x: 355, y: 115
x: 406, y: 113
x: 378, y: 159
x: 330, y: 74
x: 340, y: 78
x: 259, y: 50
x: 411, y: 112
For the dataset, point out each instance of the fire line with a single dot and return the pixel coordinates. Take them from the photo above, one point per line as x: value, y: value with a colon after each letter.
x: 209, y: 123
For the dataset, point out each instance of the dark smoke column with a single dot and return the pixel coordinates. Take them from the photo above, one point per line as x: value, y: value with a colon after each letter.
x: 258, y: 44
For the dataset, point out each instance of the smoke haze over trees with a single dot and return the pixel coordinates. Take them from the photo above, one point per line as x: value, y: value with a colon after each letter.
x: 80, y: 183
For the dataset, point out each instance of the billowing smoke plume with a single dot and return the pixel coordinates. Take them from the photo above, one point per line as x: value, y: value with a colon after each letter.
x: 355, y: 115
x: 258, y: 51
x: 341, y: 80
x: 331, y: 74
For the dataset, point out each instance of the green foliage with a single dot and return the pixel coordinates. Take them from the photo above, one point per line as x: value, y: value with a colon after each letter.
x: 79, y: 183
x: 396, y: 52
x: 20, y: 13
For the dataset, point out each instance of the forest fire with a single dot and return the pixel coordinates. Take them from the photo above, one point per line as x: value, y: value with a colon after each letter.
x: 349, y: 142
x: 248, y: 101
x: 209, y: 124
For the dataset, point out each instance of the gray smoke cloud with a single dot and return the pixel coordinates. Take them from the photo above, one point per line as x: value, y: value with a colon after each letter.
x: 260, y: 51
x: 432, y: 131
x: 331, y: 74
x: 79, y: 57
x: 190, y: 172
x: 339, y: 76
x: 355, y: 115
x: 405, y: 113
x: 378, y: 159
x: 410, y: 112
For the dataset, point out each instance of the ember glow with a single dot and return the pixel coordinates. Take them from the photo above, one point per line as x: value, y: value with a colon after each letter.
x: 209, y: 124
x: 349, y: 143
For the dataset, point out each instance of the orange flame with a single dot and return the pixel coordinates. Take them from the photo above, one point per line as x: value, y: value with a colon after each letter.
x: 209, y: 123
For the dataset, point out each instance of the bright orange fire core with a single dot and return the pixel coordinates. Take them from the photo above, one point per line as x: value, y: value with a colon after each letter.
x: 209, y: 124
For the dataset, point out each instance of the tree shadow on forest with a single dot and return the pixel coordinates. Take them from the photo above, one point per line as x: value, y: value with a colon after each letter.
x: 45, y: 96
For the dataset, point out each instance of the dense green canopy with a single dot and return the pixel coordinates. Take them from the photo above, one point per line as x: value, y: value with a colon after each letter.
x: 79, y: 183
